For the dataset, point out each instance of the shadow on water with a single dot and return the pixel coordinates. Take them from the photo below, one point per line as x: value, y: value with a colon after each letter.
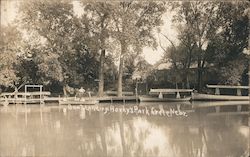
x: 80, y: 131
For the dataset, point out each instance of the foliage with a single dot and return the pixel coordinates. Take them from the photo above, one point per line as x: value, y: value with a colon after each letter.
x: 210, y: 37
x: 226, y: 50
x: 65, y: 51
x: 10, y: 49
x: 231, y: 74
x: 133, y: 25
x: 98, y: 16
x: 55, y: 46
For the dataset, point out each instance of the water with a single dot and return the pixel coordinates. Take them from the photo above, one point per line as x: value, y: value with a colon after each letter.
x: 66, y: 131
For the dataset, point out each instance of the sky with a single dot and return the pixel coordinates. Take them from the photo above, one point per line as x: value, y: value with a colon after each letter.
x: 9, y: 12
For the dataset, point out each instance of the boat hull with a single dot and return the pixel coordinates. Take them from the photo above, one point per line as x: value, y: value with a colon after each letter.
x: 210, y: 97
x: 153, y: 99
x: 71, y: 102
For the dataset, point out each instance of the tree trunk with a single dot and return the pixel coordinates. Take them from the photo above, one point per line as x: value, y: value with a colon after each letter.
x: 101, y: 74
x: 249, y: 85
x: 64, y: 91
x: 1, y: 18
x: 249, y: 76
x: 200, y: 72
x: 187, y: 82
x: 120, y: 73
x: 102, y: 58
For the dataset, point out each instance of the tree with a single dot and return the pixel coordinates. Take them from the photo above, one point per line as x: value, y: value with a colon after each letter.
x: 10, y: 49
x: 227, y: 48
x: 133, y: 26
x: 201, y: 23
x: 52, y: 22
x: 65, y: 52
x: 98, y: 14
x: 181, y: 57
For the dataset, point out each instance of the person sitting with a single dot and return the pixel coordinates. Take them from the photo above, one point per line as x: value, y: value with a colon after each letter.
x: 81, y: 93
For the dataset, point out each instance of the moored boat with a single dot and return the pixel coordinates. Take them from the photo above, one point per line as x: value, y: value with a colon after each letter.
x: 212, y: 97
x: 167, y: 95
x: 78, y: 102
x: 156, y: 99
x: 218, y: 97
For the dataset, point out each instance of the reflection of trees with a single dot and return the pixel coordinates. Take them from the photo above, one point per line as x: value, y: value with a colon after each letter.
x: 121, y: 126
x: 102, y: 134
x: 135, y: 139
x: 117, y: 134
x: 141, y: 137
x: 220, y: 137
x: 203, y: 136
x: 186, y: 140
x: 224, y: 138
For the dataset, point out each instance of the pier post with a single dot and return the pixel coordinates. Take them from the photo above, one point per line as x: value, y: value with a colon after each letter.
x: 238, y: 108
x: 59, y: 99
x: 217, y: 109
x: 178, y: 96
x: 160, y: 95
x: 239, y: 92
x: 136, y: 92
x: 217, y: 91
x: 41, y: 88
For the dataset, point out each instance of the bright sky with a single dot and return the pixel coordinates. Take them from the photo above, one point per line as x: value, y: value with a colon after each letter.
x: 152, y: 56
x: 9, y: 12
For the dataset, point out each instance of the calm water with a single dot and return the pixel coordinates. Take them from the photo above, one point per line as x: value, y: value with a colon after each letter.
x: 120, y: 131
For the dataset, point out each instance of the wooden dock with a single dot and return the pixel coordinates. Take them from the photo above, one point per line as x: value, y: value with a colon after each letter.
x: 112, y: 99
x: 107, y: 99
x: 73, y: 100
x: 217, y: 94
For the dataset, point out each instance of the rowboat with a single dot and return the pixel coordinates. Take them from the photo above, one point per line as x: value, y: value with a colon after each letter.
x: 212, y: 97
x: 156, y: 99
x: 218, y: 97
x: 78, y: 102
x: 4, y: 102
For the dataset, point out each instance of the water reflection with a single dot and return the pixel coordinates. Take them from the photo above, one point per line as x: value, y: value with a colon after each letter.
x: 74, y: 131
